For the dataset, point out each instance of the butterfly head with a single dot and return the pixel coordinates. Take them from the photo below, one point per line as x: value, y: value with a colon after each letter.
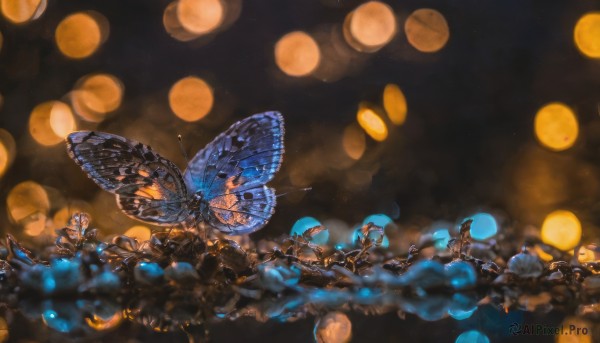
x: 196, y: 202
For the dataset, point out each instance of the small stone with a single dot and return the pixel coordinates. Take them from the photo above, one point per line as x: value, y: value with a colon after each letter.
x: 424, y: 274
x: 148, y: 273
x: 525, y: 266
x: 277, y: 277
x: 181, y: 272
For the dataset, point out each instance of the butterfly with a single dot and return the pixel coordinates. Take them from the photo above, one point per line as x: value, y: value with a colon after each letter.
x: 223, y: 186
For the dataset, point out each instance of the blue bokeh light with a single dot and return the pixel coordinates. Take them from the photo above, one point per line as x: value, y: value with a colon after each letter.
x: 380, y: 220
x: 441, y: 237
x: 472, y: 336
x: 305, y: 223
x: 484, y: 226
x: 460, y: 274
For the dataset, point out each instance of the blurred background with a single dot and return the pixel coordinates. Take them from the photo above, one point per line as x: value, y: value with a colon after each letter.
x: 416, y: 114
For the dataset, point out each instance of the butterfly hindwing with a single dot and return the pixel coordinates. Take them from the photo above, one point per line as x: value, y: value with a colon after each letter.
x: 148, y: 187
x: 238, y: 163
x: 242, y: 212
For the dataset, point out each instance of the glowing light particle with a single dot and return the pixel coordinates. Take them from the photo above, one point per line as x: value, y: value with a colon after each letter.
x: 78, y: 35
x: 484, y: 226
x: 305, y: 223
x: 556, y: 126
x: 587, y: 34
x: 394, y: 103
x: 370, y: 26
x: 191, y: 98
x: 354, y: 142
x: 372, y: 123
x: 334, y: 327
x: 561, y: 229
x: 22, y: 11
x: 472, y: 336
x: 427, y: 30
x: 139, y: 232
x: 200, y: 16
x: 297, y: 54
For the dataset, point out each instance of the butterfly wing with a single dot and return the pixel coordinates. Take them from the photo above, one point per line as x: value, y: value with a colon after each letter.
x: 232, y: 170
x: 148, y: 187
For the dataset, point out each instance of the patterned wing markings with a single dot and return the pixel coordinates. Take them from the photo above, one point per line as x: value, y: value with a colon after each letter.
x: 245, y: 156
x: 242, y: 212
x: 148, y: 187
x: 224, y: 184
x: 232, y: 170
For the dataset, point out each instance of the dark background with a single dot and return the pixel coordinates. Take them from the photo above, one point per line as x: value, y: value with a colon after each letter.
x: 467, y: 144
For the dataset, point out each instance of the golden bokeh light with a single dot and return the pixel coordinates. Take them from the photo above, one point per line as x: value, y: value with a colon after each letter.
x: 61, y: 120
x: 96, y: 95
x: 173, y: 26
x: 191, y: 98
x: 62, y: 217
x: 139, y: 232
x: 556, y: 126
x: 80, y: 34
x: 297, y: 54
x: 427, y: 30
x: 587, y: 34
x: 372, y: 123
x: 50, y: 122
x: 544, y: 256
x: 8, y: 151
x: 22, y: 11
x: 100, y: 324
x: 4, y: 158
x: 4, y: 330
x: 27, y: 204
x: 354, y: 142
x: 334, y: 327
x: 370, y: 26
x: 561, y: 229
x: 582, y: 331
x: 394, y: 103
x: 200, y: 16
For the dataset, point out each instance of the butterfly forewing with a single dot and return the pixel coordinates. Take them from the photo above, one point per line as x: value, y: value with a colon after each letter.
x: 148, y: 187
x: 232, y: 170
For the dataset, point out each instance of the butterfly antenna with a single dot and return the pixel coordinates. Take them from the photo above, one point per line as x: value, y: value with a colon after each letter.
x: 293, y: 191
x: 187, y: 160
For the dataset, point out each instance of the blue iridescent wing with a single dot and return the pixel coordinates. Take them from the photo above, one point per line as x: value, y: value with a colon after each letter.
x: 232, y: 170
x: 148, y: 187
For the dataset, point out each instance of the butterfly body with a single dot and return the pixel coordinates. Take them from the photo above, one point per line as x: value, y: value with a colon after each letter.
x: 224, y: 185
